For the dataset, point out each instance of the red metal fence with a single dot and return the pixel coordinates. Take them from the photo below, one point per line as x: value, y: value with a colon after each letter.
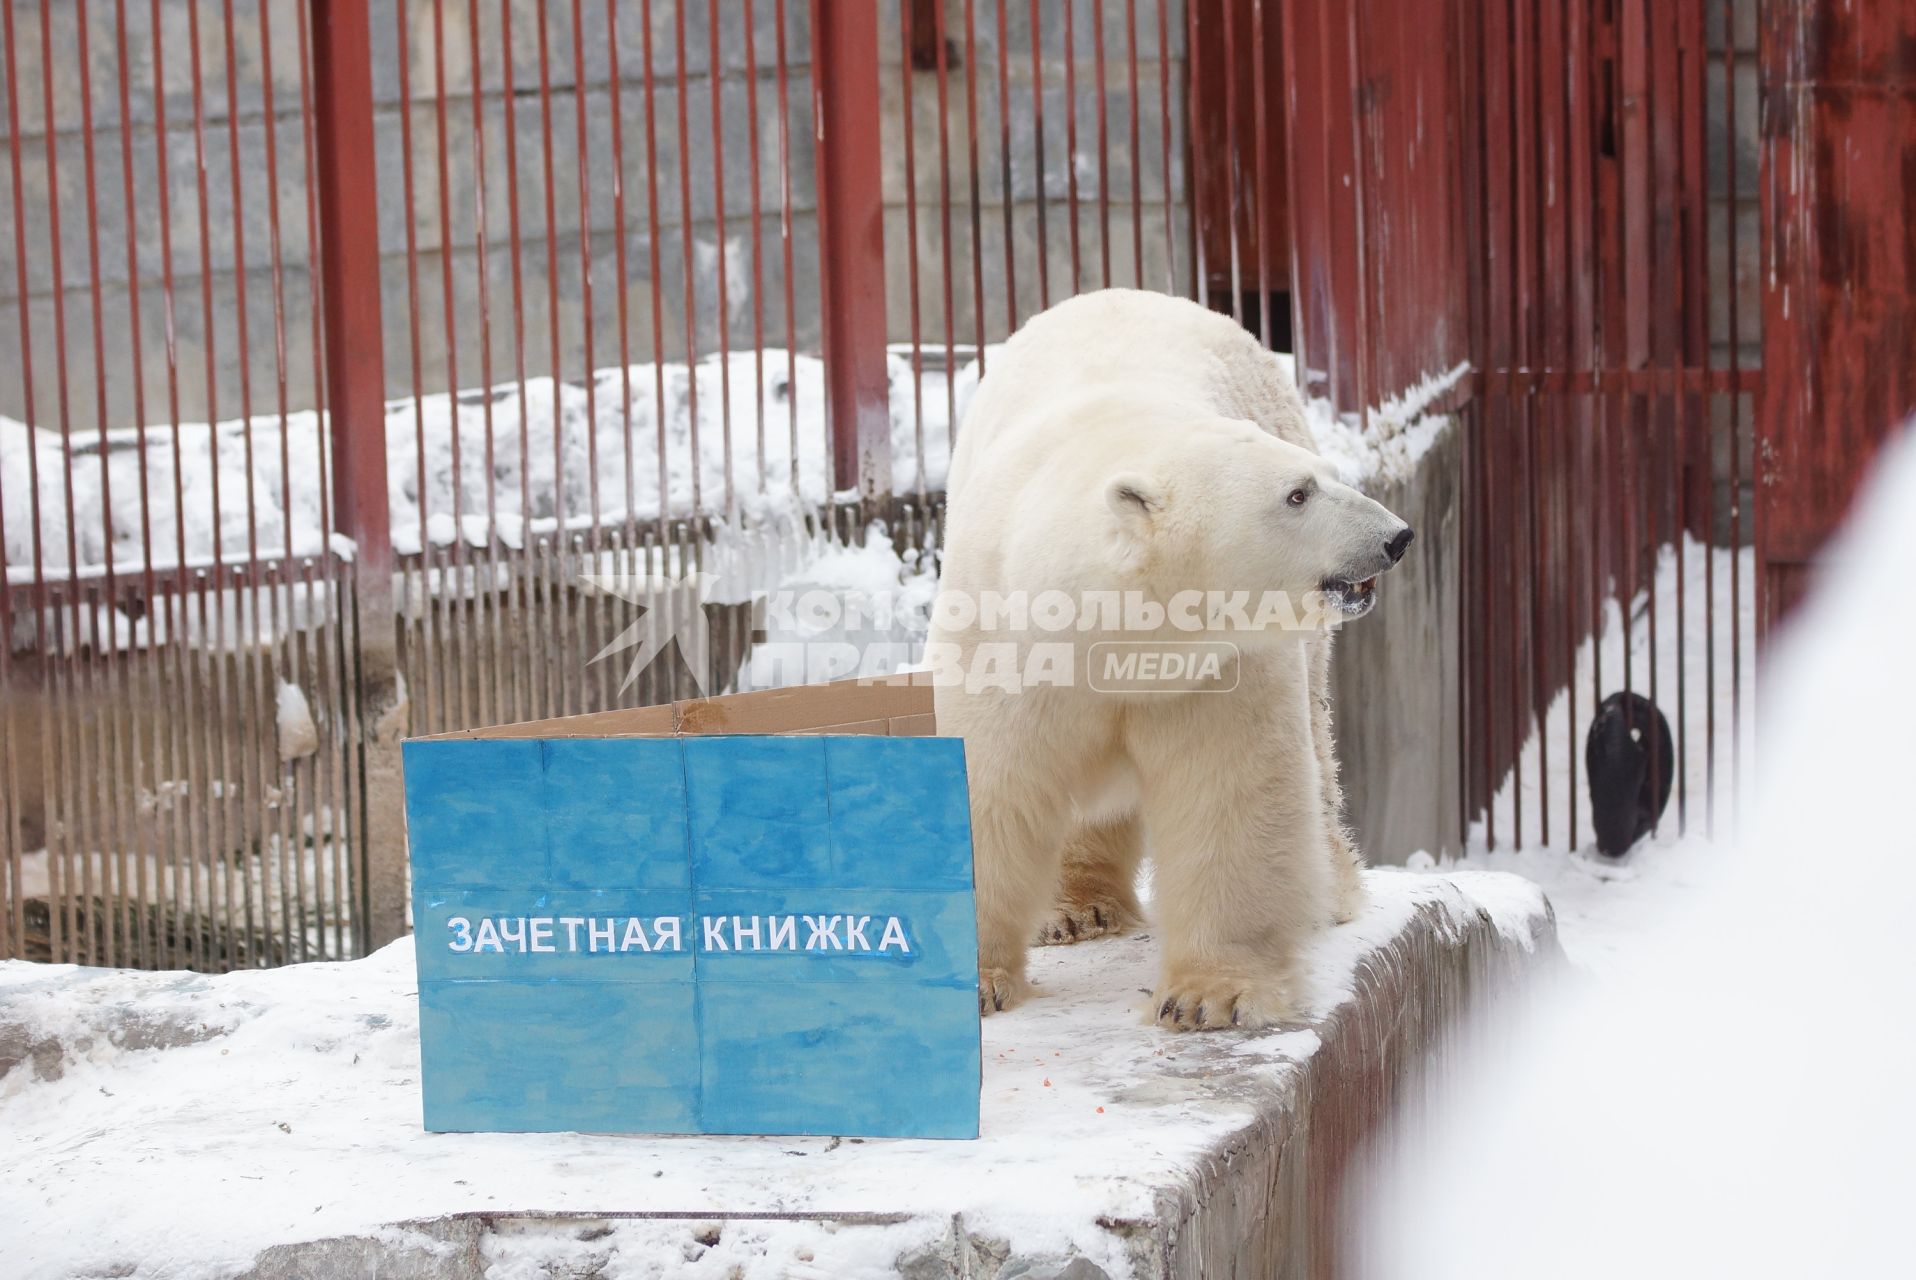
x: 616, y: 288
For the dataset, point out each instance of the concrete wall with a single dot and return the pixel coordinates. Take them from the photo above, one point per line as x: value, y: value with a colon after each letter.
x: 1395, y: 674
x: 208, y: 287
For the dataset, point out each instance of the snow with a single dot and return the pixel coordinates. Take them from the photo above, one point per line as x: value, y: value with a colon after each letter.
x: 1604, y: 905
x: 547, y: 443
x: 1386, y: 445
x: 1734, y: 1101
x: 298, y: 735
x: 173, y: 1123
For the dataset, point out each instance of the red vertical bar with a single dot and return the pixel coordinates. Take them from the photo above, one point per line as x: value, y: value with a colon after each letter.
x: 583, y: 152
x: 404, y: 62
x: 205, y: 272
x: 549, y: 183
x: 717, y: 71
x: 758, y: 229
x: 652, y: 259
x: 138, y: 347
x: 685, y: 230
x: 1260, y: 215
x: 977, y: 229
x: 1136, y: 154
x: 349, y: 243
x: 785, y: 236
x: 483, y: 262
x: 852, y: 268
x: 1164, y: 144
x: 1008, y: 205
x: 622, y: 284
x: 944, y: 200
x: 242, y: 327
x: 907, y: 74
x: 1037, y: 136
x: 509, y: 101
x: 278, y: 269
x: 1104, y: 150
x: 448, y: 305
x: 96, y: 311
x: 1071, y: 141
x: 1231, y: 209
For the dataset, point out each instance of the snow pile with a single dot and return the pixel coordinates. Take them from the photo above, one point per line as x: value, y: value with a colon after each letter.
x: 263, y: 1108
x: 1400, y: 431
x: 494, y: 462
x: 1737, y: 1102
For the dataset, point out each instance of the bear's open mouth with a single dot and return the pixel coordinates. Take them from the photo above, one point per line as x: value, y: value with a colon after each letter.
x: 1349, y: 597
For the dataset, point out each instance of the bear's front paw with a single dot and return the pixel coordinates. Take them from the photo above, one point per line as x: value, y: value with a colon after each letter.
x: 1000, y: 989
x: 1076, y: 921
x: 1198, y: 1002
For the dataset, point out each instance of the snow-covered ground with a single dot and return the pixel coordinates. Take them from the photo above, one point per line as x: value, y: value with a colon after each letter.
x: 1606, y: 905
x: 174, y: 1124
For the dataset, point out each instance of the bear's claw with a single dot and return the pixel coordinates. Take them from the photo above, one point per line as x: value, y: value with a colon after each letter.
x: 1077, y: 921
x: 1196, y: 1005
x: 1000, y: 989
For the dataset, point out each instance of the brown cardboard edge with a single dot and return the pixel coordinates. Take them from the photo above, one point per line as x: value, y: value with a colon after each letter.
x: 817, y: 708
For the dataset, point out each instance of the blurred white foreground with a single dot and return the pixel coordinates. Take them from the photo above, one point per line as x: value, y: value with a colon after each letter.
x: 1737, y: 1099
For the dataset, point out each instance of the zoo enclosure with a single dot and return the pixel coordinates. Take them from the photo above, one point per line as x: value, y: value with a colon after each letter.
x: 616, y: 288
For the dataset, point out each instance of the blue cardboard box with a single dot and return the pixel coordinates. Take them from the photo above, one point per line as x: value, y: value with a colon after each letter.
x: 746, y: 914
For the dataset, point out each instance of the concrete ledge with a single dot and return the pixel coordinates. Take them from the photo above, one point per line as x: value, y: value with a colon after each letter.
x: 277, y: 1132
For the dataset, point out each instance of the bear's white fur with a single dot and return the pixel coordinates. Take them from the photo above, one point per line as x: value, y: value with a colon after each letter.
x: 1134, y: 442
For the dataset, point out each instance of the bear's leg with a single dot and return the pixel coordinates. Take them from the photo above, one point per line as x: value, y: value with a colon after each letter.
x: 1016, y: 829
x: 1347, y: 860
x: 1097, y: 891
x: 1242, y: 873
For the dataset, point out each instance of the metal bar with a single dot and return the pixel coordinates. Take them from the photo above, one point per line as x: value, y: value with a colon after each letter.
x: 1104, y: 153
x: 1262, y: 192
x: 852, y: 247
x: 1164, y: 145
x: 1071, y: 142
x: 550, y: 188
x: 1136, y: 154
x: 758, y: 232
x: 785, y: 240
x: 907, y: 74
x: 1007, y: 204
x: 941, y: 48
x: 653, y: 256
x: 685, y: 228
x: 355, y: 392
x: 718, y: 218
x: 623, y: 282
x: 483, y: 263
x: 977, y: 227
x: 1037, y: 138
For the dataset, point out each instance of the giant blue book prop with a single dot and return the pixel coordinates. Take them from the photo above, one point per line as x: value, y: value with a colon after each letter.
x: 739, y: 933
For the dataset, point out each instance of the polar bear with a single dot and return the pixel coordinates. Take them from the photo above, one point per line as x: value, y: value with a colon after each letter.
x: 1135, y: 483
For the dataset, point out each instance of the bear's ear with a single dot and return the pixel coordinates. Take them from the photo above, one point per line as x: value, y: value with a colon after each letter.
x: 1133, y: 498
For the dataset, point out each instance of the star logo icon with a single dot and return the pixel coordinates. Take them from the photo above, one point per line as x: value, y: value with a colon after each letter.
x: 670, y: 612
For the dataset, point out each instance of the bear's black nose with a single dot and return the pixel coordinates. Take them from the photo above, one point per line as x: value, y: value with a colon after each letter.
x: 1396, y: 547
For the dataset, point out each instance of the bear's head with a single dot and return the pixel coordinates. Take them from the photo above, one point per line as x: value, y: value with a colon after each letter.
x: 1225, y: 507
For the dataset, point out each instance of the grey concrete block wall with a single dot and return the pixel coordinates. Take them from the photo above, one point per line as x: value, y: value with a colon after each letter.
x: 1396, y: 675
x: 191, y: 137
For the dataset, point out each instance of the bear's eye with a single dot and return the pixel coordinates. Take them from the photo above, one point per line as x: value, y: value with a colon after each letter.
x: 1298, y: 497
